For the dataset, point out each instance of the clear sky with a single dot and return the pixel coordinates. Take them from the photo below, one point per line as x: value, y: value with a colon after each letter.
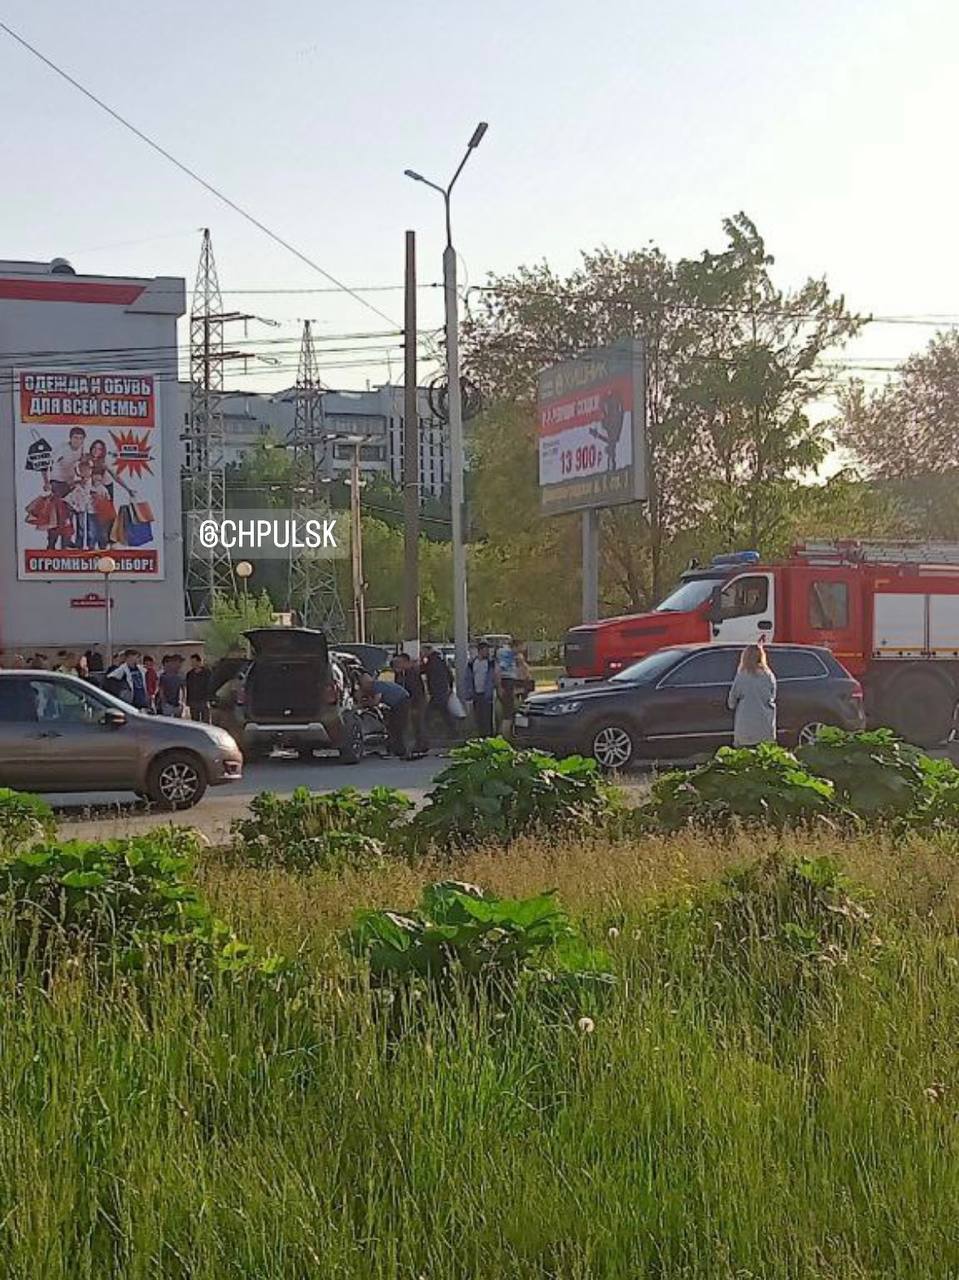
x: 831, y: 122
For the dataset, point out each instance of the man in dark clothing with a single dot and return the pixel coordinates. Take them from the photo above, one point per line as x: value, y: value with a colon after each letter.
x: 170, y: 687
x: 94, y: 661
x: 439, y: 684
x: 407, y: 673
x: 395, y: 701
x: 198, y: 689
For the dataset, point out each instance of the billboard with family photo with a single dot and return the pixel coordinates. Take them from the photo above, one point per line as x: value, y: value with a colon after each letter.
x: 88, y: 473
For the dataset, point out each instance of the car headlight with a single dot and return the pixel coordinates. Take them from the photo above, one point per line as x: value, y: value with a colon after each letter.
x: 225, y: 741
x: 562, y: 708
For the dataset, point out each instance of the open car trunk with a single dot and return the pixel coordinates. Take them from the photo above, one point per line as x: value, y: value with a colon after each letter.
x: 289, y: 676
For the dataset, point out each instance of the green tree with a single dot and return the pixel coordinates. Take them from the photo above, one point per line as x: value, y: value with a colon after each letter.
x: 383, y: 572
x: 263, y: 478
x: 733, y: 362
x: 524, y: 570
x: 232, y: 615
x: 906, y: 436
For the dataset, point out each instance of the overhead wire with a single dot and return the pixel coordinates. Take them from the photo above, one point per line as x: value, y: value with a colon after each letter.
x: 192, y: 173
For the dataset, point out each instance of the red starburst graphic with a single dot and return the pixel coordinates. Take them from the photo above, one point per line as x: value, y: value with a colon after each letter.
x: 132, y: 452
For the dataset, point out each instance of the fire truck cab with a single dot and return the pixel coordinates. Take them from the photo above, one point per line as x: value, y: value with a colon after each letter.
x: 888, y: 611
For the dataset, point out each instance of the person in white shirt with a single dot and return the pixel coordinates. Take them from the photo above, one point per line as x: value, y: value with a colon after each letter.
x: 62, y: 476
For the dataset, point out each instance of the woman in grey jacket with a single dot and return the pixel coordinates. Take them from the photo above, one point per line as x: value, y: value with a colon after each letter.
x: 752, y: 697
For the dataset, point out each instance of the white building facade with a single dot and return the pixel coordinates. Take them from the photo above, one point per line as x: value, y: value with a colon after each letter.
x: 89, y: 421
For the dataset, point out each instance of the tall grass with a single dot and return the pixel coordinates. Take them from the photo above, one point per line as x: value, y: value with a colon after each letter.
x: 723, y: 1119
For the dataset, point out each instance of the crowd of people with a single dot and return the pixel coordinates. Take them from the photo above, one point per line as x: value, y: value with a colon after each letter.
x: 422, y: 691
x: 420, y: 702
x: 172, y: 688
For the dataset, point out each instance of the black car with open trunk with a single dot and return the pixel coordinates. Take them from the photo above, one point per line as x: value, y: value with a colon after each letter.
x: 298, y: 694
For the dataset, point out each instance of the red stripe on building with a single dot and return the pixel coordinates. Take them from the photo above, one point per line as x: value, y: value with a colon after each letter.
x: 45, y: 290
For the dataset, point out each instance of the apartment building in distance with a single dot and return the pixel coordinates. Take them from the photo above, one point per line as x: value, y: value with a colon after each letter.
x: 251, y: 418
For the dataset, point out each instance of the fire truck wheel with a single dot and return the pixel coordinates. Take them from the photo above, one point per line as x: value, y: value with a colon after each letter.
x: 613, y: 747
x: 920, y: 707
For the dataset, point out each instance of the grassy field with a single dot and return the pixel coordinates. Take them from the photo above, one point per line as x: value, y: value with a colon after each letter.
x: 729, y: 1117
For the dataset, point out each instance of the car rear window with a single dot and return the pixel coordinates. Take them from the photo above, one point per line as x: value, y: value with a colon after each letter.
x: 714, y: 666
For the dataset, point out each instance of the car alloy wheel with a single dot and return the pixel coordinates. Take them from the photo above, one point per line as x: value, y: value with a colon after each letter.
x: 353, y: 747
x: 809, y: 732
x: 613, y: 747
x: 178, y: 782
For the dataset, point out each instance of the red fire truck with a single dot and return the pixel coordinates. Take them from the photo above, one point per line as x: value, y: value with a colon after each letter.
x: 889, y: 611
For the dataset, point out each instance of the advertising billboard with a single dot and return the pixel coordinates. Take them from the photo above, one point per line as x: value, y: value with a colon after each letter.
x: 592, y: 430
x: 88, y: 473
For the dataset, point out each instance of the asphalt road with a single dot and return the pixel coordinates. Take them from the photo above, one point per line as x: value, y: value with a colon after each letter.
x: 102, y: 814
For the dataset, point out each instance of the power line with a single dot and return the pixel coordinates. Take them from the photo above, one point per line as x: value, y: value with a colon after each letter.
x: 573, y: 295
x: 191, y: 173
x: 254, y: 345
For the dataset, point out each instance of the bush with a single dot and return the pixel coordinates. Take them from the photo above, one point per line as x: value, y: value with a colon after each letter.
x: 875, y: 773
x: 460, y: 932
x: 764, y: 783
x: 806, y: 904
x: 24, y: 819
x: 494, y: 792
x: 307, y: 831
x: 115, y: 901
x: 773, y: 943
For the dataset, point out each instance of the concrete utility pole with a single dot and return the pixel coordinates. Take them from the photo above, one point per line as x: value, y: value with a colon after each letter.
x: 460, y: 617
x: 411, y: 463
x: 356, y: 541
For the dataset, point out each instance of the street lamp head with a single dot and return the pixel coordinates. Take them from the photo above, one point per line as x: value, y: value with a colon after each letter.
x: 243, y: 569
x: 106, y: 565
x: 411, y: 173
x: 477, y: 137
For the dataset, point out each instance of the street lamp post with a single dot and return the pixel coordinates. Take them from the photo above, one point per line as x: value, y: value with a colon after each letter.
x: 457, y: 464
x: 107, y: 565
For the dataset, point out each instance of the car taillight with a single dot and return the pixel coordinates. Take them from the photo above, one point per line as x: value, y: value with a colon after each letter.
x: 855, y: 692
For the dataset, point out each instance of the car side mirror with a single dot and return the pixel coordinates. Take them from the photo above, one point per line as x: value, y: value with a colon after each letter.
x: 113, y: 718
x: 714, y: 610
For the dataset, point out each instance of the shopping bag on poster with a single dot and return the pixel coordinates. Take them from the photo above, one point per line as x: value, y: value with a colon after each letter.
x: 137, y: 533
x: 104, y: 510
x: 40, y: 510
x: 118, y: 530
